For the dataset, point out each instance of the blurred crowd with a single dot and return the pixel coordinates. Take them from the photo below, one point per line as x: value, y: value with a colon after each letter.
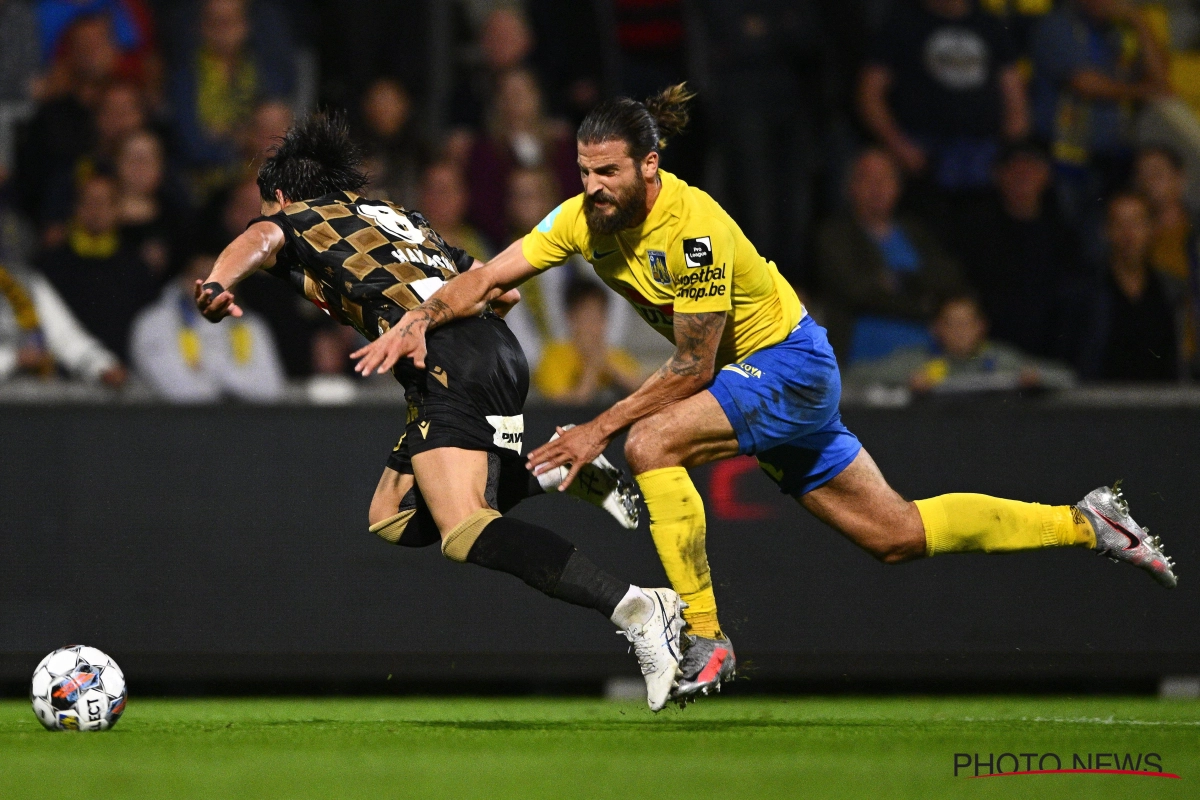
x: 971, y: 195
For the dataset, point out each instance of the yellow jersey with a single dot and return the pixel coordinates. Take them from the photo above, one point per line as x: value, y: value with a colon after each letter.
x: 689, y: 257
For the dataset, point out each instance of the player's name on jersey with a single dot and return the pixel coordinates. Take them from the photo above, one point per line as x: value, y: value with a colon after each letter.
x: 415, y: 255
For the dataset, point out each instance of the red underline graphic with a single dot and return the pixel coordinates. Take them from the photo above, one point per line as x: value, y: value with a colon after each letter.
x: 1079, y: 771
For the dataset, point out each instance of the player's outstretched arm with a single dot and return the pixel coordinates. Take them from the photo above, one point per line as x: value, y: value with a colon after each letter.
x: 505, y: 302
x: 464, y: 296
x: 688, y: 371
x: 255, y: 248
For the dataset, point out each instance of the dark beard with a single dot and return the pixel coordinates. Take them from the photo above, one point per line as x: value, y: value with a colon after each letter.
x: 629, y: 209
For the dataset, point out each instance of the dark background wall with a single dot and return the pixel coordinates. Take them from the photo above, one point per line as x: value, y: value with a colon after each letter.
x: 226, y: 545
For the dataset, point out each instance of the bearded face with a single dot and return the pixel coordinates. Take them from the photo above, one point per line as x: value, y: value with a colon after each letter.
x: 608, y: 213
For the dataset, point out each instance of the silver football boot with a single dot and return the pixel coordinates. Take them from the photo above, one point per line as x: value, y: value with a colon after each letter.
x: 706, y: 663
x: 654, y: 634
x: 601, y: 484
x: 1122, y: 539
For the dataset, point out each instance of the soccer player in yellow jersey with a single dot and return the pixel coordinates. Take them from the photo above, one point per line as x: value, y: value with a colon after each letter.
x: 752, y: 374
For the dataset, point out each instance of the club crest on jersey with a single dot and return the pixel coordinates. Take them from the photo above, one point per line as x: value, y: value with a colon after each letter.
x: 658, y: 267
x: 698, y: 252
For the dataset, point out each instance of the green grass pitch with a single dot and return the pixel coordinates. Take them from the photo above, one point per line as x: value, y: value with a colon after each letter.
x: 760, y: 747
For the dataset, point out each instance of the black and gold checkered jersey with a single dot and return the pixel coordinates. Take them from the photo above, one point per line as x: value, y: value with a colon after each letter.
x: 364, y: 262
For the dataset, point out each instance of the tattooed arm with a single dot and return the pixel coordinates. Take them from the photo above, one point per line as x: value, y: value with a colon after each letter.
x: 463, y: 296
x: 688, y: 371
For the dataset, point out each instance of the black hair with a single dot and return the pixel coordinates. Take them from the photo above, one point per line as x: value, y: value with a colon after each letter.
x: 580, y: 291
x: 314, y: 158
x: 1173, y: 156
x: 645, y: 127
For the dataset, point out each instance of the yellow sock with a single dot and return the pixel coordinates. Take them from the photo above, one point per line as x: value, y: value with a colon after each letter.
x: 677, y: 526
x: 966, y: 523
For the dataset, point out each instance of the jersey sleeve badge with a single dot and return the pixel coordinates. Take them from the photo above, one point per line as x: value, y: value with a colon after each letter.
x: 698, y: 252
x: 658, y: 267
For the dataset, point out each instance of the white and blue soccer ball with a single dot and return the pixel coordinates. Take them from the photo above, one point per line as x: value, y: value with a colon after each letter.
x: 78, y: 688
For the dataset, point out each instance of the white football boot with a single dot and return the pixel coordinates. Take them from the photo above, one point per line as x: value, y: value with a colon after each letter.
x: 651, y: 619
x: 601, y: 484
x: 1122, y: 539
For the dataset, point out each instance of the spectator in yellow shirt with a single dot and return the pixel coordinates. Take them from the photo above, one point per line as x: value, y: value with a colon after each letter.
x: 580, y: 369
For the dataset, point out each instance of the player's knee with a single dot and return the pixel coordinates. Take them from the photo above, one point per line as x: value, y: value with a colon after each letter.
x: 643, y: 449
x: 458, y: 540
x: 391, y: 528
x: 408, y: 524
x: 896, y: 552
x: 387, y: 501
x: 381, y: 509
x: 896, y: 543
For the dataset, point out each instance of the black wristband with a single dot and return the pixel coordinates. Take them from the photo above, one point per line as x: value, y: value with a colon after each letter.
x: 217, y: 289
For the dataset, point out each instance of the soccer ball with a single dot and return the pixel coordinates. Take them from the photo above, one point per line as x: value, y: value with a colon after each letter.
x: 78, y: 688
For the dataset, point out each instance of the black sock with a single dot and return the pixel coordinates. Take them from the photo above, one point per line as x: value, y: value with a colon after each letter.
x: 585, y: 584
x: 548, y: 563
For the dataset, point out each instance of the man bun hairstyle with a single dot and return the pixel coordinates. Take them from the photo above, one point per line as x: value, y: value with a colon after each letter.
x: 645, y: 127
x: 314, y: 158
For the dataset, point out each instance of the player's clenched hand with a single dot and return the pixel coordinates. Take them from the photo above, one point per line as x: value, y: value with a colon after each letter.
x: 215, y: 302
x: 405, y: 340
x: 575, y: 447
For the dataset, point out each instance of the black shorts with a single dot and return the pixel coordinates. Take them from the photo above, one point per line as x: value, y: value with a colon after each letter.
x: 470, y: 394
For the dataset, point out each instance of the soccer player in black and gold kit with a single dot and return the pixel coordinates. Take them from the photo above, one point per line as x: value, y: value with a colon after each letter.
x: 458, y: 465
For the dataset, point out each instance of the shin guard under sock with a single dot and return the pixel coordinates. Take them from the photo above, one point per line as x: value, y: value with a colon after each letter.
x: 677, y: 526
x: 548, y: 563
x: 963, y: 523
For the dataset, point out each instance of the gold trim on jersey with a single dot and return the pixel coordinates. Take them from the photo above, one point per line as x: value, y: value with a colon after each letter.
x: 366, y: 240
x: 402, y: 295
x: 357, y: 267
x: 312, y: 290
x: 332, y: 212
x: 321, y: 237
x: 353, y: 312
x: 405, y: 272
